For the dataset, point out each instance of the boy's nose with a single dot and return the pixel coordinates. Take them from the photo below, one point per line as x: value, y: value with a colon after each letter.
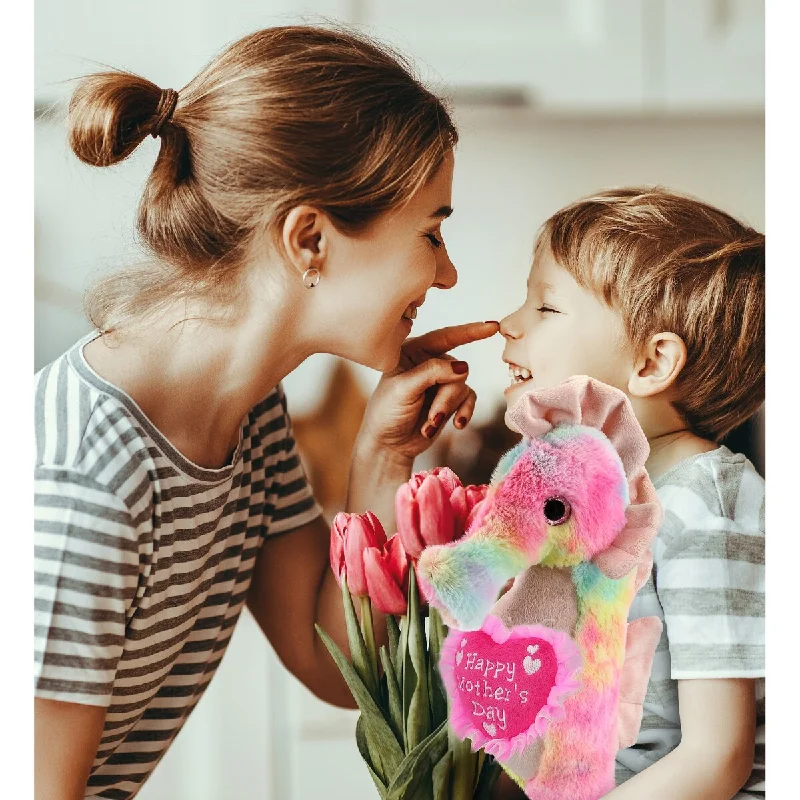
x: 510, y: 326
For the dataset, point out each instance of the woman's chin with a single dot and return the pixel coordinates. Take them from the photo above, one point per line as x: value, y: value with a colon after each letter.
x: 384, y: 356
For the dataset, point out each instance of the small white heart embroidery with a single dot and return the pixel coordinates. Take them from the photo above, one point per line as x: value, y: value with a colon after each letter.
x: 531, y: 665
x: 459, y: 656
x: 532, y: 648
x: 490, y: 729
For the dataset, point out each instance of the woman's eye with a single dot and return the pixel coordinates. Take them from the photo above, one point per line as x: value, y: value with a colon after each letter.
x: 434, y: 240
x: 546, y: 309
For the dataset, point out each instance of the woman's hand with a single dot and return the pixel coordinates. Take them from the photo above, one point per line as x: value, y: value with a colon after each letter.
x: 412, y: 403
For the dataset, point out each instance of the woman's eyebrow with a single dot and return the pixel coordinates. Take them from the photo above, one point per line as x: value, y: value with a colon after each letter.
x: 443, y: 212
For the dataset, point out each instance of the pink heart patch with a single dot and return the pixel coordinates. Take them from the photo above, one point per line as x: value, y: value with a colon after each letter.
x: 507, y: 686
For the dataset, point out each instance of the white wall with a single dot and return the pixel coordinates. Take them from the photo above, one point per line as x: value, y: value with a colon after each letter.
x: 512, y: 170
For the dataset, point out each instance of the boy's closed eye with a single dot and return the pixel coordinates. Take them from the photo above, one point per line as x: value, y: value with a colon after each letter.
x: 545, y: 309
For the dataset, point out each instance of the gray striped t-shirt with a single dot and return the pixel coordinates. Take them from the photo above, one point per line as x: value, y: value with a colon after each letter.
x: 143, y: 559
x: 707, y: 585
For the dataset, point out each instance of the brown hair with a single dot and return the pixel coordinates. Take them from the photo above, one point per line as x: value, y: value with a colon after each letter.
x: 668, y: 262
x: 284, y: 116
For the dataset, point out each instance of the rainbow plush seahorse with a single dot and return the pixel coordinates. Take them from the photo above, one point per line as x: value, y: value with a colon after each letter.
x: 550, y: 678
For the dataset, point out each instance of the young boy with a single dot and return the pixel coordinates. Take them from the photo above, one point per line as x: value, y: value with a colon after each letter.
x: 662, y: 296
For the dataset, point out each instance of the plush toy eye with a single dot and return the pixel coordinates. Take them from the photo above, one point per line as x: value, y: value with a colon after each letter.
x: 557, y: 510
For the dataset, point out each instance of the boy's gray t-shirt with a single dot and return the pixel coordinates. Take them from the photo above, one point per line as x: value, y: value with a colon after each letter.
x: 707, y: 586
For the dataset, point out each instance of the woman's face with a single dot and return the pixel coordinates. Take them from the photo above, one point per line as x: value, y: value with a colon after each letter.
x: 374, y: 281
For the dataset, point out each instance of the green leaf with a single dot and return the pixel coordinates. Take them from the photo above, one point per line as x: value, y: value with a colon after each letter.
x: 488, y: 775
x: 479, y: 760
x: 437, y: 697
x: 438, y: 633
x: 414, y: 778
x: 385, y: 750
x: 369, y: 638
x: 395, y: 699
x: 358, y: 649
x: 441, y: 777
x: 363, y: 748
x: 463, y: 781
x: 408, y: 679
x: 418, y: 721
x: 393, y: 630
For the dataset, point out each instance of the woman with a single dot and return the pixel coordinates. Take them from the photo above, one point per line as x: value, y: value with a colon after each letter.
x: 294, y: 208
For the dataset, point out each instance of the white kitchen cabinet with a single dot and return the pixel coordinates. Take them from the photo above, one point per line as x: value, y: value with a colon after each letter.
x: 713, y: 55
x: 562, y: 55
x: 165, y: 42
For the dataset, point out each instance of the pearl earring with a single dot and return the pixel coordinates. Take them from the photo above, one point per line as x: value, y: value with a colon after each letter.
x: 311, y: 278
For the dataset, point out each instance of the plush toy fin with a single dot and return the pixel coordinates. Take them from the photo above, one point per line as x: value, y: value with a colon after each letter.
x: 640, y: 647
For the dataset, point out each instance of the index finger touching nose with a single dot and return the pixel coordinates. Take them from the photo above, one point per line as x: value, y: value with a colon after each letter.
x: 440, y: 341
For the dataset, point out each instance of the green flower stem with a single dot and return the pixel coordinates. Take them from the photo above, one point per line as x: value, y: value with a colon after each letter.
x: 464, y: 763
x: 369, y: 637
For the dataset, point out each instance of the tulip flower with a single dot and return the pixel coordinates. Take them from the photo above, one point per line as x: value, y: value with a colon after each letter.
x: 351, y: 535
x: 434, y: 508
x: 338, y: 529
x: 386, y: 571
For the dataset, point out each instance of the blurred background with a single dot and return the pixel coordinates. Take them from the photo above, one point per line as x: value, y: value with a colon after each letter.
x: 554, y: 99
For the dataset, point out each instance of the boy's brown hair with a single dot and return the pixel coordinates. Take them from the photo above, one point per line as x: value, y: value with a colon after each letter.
x: 668, y: 262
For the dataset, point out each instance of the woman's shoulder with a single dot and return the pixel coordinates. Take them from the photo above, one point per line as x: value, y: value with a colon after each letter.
x: 81, y: 430
x: 270, y: 415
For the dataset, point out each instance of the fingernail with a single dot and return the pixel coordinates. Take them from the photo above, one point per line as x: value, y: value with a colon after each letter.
x: 460, y: 367
x: 462, y: 421
x: 491, y: 322
x: 437, y: 420
x: 430, y: 431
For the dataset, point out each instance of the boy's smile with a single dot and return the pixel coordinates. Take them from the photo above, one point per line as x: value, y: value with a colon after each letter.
x: 561, y: 330
x: 517, y: 374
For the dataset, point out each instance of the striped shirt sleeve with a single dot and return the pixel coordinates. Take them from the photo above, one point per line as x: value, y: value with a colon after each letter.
x: 709, y: 572
x: 86, y: 572
x: 294, y: 503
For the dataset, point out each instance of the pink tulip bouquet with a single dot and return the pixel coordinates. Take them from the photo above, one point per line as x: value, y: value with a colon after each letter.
x: 402, y: 732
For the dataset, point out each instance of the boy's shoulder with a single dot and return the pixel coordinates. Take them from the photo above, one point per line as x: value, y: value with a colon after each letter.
x: 717, y: 495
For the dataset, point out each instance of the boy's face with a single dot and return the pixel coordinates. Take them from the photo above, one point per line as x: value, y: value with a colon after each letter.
x: 563, y: 330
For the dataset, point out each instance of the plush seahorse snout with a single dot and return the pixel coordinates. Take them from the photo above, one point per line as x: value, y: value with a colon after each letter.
x: 463, y: 579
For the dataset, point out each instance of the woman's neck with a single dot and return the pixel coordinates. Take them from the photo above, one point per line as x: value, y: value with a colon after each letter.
x: 196, y: 377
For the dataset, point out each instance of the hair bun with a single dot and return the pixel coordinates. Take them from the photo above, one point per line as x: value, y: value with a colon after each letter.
x: 110, y: 113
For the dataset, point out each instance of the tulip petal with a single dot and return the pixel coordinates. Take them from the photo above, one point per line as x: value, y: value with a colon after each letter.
x: 397, y: 562
x: 448, y: 479
x: 384, y: 592
x: 358, y: 537
x: 458, y: 502
x: 378, y: 534
x: 338, y: 528
x: 436, y: 524
x: 406, y: 514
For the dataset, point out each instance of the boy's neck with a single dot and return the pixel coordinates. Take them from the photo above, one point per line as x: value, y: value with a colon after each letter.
x: 669, y: 449
x: 670, y: 440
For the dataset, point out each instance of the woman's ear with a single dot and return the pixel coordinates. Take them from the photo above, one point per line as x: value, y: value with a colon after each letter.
x: 305, y: 238
x: 659, y: 365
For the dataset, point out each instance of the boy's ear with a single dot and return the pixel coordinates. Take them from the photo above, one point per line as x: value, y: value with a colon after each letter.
x: 305, y: 238
x: 658, y: 366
